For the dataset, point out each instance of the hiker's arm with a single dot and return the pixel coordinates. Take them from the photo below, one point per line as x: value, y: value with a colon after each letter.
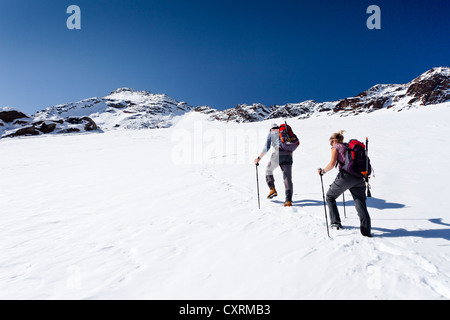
x: 259, y: 158
x: 266, y: 148
x: 267, y: 145
x: 332, y: 164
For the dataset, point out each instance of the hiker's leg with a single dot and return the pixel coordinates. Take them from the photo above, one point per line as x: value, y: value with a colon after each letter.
x: 359, y: 196
x: 287, y: 177
x: 271, y: 166
x: 336, y: 189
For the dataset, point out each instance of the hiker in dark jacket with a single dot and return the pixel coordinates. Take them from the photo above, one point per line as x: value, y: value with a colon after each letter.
x: 278, y: 158
x: 345, y: 181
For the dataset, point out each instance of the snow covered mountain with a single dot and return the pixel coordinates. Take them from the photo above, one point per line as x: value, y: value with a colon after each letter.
x: 432, y: 87
x: 258, y: 112
x: 126, y: 108
x: 122, y: 108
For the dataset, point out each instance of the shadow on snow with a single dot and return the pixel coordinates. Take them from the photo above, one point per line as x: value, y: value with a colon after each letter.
x: 428, y: 234
x: 443, y: 233
x: 371, y: 203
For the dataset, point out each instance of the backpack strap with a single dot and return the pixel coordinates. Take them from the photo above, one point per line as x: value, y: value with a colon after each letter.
x: 347, y: 149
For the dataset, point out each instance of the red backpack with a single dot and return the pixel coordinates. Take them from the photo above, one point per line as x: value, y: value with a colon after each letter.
x: 288, y: 139
x: 357, y: 162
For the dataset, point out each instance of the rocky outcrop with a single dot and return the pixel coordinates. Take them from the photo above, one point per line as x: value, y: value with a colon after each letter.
x: 31, y: 127
x: 11, y: 115
x: 432, y: 87
x: 88, y: 123
x: 293, y: 110
x: 26, y: 131
x: 243, y: 113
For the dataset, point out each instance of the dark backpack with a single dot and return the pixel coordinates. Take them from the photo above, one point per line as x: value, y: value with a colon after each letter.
x: 288, y: 139
x: 357, y: 163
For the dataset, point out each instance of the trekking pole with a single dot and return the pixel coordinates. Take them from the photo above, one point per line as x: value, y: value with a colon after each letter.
x: 369, y: 194
x: 343, y: 199
x: 257, y: 184
x: 287, y: 131
x: 324, y: 204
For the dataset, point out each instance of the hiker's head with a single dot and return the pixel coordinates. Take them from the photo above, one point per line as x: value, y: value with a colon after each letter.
x: 337, y: 137
x: 274, y: 126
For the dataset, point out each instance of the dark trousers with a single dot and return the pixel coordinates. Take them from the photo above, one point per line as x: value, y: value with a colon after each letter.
x: 357, y: 186
x: 284, y: 161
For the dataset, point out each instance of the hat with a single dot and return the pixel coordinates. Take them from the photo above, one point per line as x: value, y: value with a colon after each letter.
x: 274, y: 126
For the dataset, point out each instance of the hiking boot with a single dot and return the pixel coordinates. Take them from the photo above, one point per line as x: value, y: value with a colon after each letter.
x: 288, y: 204
x: 365, y: 232
x: 336, y: 226
x: 273, y: 193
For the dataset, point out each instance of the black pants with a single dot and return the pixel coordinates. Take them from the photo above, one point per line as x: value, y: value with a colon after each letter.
x: 357, y: 186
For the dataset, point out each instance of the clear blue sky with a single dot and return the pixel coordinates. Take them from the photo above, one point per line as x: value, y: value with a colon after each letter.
x: 215, y: 52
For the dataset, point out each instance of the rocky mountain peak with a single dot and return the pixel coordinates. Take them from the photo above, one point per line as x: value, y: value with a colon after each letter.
x: 432, y: 87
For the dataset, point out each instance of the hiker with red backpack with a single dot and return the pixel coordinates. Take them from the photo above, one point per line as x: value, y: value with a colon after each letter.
x: 354, y: 167
x: 284, y: 142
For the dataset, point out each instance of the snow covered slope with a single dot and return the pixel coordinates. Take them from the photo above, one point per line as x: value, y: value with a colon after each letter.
x: 127, y: 215
x: 124, y: 108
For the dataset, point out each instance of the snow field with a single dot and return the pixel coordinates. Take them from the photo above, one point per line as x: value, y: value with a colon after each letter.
x: 172, y: 214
